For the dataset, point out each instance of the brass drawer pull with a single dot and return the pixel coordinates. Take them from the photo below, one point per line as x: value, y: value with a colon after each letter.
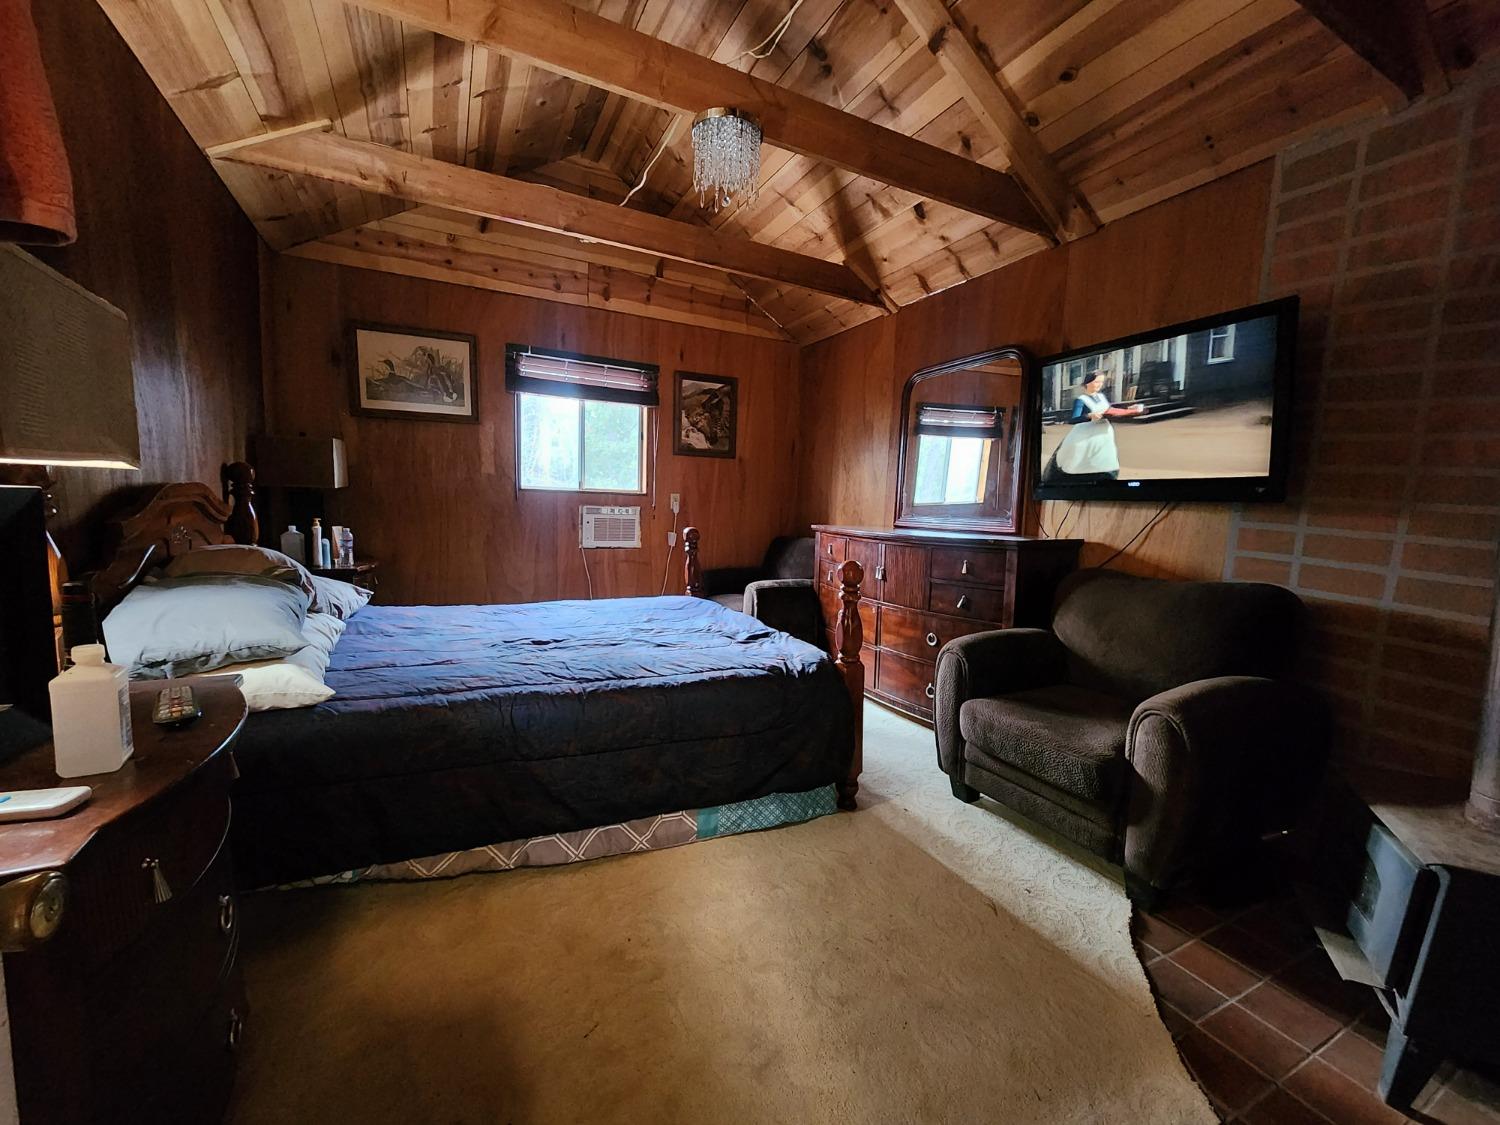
x: 965, y: 568
x: 160, y: 890
x: 236, y: 1029
x: 930, y: 691
x: 226, y: 914
x: 963, y: 601
x: 830, y: 550
x: 932, y: 640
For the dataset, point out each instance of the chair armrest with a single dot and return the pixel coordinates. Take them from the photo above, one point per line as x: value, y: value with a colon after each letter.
x: 984, y: 664
x: 1215, y: 764
x: 788, y: 604
x: 729, y: 579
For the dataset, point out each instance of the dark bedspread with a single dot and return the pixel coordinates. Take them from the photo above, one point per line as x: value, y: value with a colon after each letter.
x: 459, y: 726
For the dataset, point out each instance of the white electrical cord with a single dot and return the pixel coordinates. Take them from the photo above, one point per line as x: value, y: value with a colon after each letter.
x: 587, y: 577
x: 671, y: 550
x: 661, y: 147
x: 764, y: 48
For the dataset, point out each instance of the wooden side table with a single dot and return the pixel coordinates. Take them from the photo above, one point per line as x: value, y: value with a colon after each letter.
x: 119, y: 929
x: 361, y: 574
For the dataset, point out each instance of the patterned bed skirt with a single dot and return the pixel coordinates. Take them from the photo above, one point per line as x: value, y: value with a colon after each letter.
x: 648, y: 834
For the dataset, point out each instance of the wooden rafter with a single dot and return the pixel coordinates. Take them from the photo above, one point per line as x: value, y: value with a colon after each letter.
x: 1066, y: 212
x: 422, y: 179
x: 1393, y: 36
x: 590, y: 48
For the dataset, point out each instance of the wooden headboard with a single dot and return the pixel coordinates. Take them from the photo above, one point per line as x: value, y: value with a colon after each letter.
x: 175, y: 520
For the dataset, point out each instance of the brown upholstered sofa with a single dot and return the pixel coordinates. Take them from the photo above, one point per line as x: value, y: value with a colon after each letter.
x: 1155, y: 723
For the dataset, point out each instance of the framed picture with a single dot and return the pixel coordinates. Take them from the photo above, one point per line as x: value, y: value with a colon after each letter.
x: 412, y: 373
x: 708, y: 408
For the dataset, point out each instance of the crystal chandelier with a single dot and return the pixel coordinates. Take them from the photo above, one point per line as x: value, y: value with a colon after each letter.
x: 726, y: 157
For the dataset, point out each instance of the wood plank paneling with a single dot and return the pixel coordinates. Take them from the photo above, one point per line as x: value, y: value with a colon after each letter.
x: 1193, y: 255
x: 159, y: 237
x: 438, y: 504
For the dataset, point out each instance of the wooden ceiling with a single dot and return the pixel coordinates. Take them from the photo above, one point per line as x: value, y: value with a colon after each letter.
x: 1124, y: 103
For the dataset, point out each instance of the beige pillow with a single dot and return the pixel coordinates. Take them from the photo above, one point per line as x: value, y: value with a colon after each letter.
x: 235, y: 558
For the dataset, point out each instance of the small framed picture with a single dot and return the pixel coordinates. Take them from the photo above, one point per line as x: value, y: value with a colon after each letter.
x: 708, y: 408
x: 412, y: 373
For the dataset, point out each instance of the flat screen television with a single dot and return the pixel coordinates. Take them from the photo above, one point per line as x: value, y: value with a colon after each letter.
x: 1194, y: 411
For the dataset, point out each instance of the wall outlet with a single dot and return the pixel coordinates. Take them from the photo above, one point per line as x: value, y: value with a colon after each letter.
x: 676, y: 502
x: 671, y: 539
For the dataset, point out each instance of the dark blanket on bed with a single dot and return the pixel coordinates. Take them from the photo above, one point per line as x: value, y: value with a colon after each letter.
x: 459, y: 726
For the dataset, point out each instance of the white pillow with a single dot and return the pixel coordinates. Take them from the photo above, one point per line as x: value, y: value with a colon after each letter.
x: 293, y: 681
x: 341, y: 599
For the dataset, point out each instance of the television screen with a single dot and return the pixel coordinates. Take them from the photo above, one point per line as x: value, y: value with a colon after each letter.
x: 1196, y: 411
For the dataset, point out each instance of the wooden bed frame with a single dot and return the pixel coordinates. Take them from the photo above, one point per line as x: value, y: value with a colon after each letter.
x: 183, y: 516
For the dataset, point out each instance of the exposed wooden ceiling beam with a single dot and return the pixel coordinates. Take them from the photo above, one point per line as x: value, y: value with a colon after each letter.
x: 1393, y: 36
x: 422, y: 179
x: 592, y: 49
x: 1066, y: 212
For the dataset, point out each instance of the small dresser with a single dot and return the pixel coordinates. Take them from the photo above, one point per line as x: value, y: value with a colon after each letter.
x: 120, y: 931
x: 922, y: 589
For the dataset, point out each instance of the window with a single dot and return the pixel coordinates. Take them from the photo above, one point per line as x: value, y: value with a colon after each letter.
x: 953, y: 452
x: 1221, y: 344
x: 581, y: 421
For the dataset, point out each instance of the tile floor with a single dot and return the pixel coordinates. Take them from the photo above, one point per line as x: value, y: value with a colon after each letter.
x: 1271, y: 1032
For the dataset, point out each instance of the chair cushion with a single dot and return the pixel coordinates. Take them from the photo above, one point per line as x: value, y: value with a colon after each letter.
x: 734, y: 601
x: 1070, y: 737
x: 790, y: 557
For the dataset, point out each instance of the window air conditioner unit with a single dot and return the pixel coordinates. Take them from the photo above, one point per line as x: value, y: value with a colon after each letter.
x: 601, y: 526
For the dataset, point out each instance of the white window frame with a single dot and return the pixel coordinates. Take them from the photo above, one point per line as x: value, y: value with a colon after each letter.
x: 1224, y: 332
x: 645, y: 431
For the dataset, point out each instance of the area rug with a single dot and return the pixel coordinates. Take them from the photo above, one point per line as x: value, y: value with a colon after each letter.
x: 921, y: 960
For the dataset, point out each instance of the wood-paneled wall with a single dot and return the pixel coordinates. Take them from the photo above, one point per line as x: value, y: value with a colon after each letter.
x: 160, y: 237
x: 1193, y: 255
x: 437, y: 503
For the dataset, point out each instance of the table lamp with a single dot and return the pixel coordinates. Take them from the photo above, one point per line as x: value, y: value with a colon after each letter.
x: 303, y: 466
x: 67, y: 399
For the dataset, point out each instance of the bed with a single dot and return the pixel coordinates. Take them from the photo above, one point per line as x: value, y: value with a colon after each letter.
x: 487, y: 736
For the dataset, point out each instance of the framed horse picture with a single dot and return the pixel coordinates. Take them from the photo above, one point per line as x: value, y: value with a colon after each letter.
x: 707, y: 415
x: 412, y: 373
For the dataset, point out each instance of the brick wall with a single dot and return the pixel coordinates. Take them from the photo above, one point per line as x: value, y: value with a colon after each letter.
x: 1391, y: 234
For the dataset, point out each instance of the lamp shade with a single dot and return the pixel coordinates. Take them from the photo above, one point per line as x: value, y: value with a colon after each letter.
x: 300, y: 462
x: 67, y: 392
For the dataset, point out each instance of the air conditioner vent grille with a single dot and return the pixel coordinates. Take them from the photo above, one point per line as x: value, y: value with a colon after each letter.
x: 602, y: 526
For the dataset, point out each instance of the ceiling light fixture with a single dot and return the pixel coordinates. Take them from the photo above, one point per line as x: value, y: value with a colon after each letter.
x: 726, y: 157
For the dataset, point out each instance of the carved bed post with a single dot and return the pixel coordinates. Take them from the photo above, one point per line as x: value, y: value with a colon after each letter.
x: 238, y: 480
x: 848, y: 637
x: 691, y: 566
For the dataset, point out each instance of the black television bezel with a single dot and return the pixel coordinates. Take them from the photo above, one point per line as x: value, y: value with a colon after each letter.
x: 1268, y: 488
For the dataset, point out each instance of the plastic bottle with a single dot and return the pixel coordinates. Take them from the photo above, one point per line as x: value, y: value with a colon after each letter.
x: 91, y: 715
x: 346, y: 547
x: 294, y: 543
x: 327, y: 547
x: 315, y: 544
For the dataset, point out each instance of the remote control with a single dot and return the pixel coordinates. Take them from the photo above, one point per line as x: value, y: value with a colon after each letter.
x: 175, y: 707
x: 39, y: 804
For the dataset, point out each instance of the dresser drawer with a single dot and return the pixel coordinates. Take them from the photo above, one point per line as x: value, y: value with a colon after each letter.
x: 955, y: 564
x: 832, y: 550
x: 906, y: 680
x: 980, y: 603
x: 829, y: 596
x: 921, y: 635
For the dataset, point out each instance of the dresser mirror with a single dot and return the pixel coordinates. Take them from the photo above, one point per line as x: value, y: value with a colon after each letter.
x: 959, y: 466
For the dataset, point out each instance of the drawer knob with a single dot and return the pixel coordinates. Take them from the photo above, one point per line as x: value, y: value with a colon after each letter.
x: 235, y: 1031
x: 930, y: 691
x: 226, y: 914
x: 932, y: 640
x: 965, y: 568
x: 880, y: 574
x: 31, y: 909
x: 963, y: 601
x: 160, y: 890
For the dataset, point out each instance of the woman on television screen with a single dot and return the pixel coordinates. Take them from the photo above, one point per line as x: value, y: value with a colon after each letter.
x: 1088, y: 453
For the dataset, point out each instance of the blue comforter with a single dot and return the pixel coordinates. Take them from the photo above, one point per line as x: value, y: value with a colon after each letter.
x: 458, y: 726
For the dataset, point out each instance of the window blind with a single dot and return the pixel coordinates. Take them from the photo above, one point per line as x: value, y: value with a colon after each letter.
x: 936, y: 420
x: 542, y: 371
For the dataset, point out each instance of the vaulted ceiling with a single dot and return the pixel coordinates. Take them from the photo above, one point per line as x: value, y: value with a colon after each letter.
x: 1122, y: 103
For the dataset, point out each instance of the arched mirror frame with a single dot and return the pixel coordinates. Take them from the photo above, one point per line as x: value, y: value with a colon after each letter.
x: 1017, y: 435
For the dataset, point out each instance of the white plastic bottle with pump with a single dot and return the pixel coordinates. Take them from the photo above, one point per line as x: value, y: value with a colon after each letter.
x: 91, y: 715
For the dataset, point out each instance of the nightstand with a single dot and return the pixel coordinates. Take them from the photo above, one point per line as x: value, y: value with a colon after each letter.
x: 361, y: 574
x: 120, y: 930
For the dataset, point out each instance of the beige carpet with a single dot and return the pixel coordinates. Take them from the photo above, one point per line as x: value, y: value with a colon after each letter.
x: 921, y: 960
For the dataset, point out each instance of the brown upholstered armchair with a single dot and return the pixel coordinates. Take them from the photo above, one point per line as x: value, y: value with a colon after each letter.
x: 779, y: 592
x: 1154, y: 723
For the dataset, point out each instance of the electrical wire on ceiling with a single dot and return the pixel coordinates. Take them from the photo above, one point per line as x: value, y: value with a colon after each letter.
x: 764, y: 48
x: 661, y: 147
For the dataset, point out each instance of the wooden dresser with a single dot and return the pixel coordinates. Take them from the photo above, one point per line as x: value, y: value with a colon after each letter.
x: 120, y: 930
x: 922, y: 589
